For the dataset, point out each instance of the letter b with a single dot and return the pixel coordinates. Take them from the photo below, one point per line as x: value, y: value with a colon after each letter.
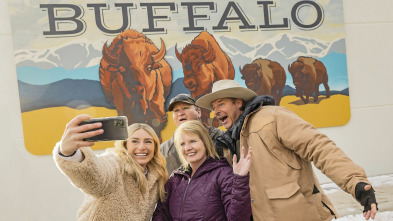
x: 54, y: 21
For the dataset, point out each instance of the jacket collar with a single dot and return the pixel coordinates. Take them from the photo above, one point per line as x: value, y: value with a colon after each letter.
x: 229, y: 138
x: 208, y: 165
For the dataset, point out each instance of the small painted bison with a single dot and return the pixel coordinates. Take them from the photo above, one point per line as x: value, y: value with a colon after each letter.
x: 308, y: 73
x: 265, y: 77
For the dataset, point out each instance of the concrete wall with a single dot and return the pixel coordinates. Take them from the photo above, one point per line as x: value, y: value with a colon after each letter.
x: 31, y: 187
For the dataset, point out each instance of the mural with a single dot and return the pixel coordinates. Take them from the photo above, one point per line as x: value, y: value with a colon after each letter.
x: 130, y: 59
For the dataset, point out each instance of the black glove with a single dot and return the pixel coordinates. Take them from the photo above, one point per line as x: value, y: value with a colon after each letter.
x: 365, y: 197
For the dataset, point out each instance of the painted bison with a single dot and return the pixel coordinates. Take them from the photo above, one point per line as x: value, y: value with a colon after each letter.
x: 265, y: 77
x: 308, y: 73
x: 203, y: 64
x: 136, y: 79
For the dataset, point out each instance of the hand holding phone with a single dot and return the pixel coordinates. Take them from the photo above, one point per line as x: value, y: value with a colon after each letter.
x: 83, y: 130
x: 115, y: 128
x: 74, y: 134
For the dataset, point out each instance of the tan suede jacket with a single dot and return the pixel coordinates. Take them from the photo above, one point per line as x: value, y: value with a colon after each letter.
x: 282, y: 181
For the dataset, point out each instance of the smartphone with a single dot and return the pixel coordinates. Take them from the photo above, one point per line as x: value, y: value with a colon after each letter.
x: 115, y: 128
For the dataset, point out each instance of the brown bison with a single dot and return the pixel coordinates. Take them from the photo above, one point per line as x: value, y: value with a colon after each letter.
x: 136, y: 79
x: 265, y: 77
x: 203, y: 64
x: 308, y: 73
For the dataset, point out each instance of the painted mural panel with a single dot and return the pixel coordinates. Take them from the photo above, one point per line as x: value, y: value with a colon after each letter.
x: 130, y: 58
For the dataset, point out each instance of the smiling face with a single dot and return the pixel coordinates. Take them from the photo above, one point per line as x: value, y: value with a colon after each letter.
x: 227, y: 110
x: 183, y: 112
x: 193, y: 149
x: 140, y: 146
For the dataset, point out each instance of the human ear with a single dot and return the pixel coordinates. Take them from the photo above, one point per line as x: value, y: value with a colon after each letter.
x: 239, y: 102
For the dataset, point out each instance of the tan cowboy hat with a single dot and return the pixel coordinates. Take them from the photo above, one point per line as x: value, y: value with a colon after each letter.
x: 222, y: 89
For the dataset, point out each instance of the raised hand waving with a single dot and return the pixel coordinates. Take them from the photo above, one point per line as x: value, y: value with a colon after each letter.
x: 242, y: 167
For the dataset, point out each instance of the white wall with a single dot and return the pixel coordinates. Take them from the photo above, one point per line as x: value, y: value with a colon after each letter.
x: 31, y: 188
x: 368, y: 137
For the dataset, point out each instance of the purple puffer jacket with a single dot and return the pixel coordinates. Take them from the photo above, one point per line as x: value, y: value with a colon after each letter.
x: 213, y: 193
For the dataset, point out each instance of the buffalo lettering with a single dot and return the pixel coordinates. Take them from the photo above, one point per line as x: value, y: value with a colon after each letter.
x: 232, y: 12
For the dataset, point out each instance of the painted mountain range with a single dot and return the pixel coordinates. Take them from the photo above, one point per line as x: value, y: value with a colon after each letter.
x: 79, y: 94
x: 57, y: 68
x: 283, y: 48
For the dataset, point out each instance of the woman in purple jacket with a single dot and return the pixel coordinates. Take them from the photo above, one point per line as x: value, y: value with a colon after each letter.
x: 205, y: 187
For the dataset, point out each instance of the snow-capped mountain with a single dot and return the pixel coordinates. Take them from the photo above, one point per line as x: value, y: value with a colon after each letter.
x: 77, y: 54
x: 282, y: 48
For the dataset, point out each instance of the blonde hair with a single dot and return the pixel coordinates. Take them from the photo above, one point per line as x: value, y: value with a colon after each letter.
x: 197, y: 128
x: 156, y: 164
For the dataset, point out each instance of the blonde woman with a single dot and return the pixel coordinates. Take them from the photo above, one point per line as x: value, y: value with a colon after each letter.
x: 124, y: 183
x: 205, y: 187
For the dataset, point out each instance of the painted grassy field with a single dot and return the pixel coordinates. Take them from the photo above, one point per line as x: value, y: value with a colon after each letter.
x: 327, y: 112
x: 43, y: 128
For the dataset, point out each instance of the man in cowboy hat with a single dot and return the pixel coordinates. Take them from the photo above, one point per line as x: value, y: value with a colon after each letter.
x: 184, y: 109
x: 282, y: 181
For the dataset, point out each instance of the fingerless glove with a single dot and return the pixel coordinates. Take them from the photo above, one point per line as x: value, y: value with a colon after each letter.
x: 365, y: 197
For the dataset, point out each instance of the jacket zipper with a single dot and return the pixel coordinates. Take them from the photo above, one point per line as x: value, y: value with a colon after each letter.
x: 331, y: 211
x: 184, y: 196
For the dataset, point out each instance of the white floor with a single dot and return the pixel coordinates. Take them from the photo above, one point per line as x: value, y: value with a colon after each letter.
x: 382, y: 216
x: 375, y: 181
x: 350, y: 210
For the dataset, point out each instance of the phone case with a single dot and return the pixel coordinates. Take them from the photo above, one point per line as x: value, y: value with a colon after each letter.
x: 115, y: 128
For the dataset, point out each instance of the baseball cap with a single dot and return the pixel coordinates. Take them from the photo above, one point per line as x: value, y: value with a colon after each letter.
x: 184, y: 98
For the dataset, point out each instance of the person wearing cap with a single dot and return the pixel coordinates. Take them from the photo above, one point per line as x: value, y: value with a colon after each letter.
x: 282, y: 181
x: 184, y: 109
